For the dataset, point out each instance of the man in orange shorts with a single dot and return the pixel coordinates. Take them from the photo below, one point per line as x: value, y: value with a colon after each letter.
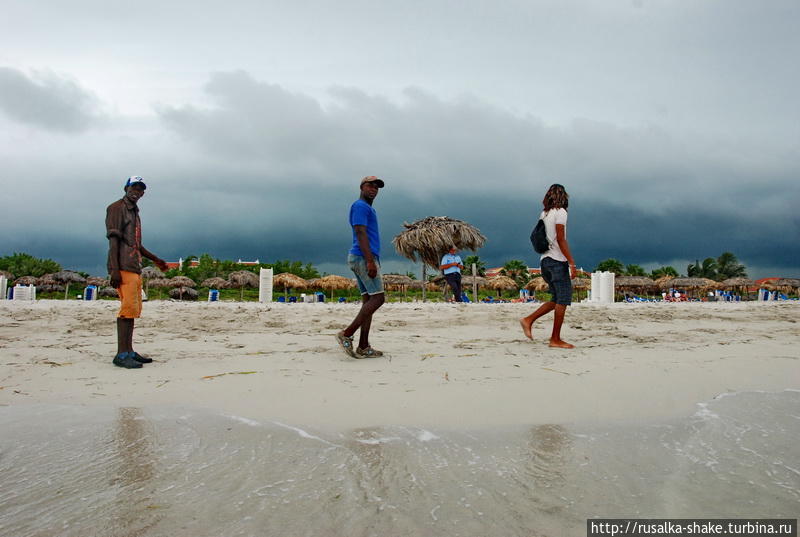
x: 125, y: 252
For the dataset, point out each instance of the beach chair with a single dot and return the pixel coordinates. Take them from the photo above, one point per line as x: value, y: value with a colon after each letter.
x: 292, y: 299
x: 281, y: 299
x: 465, y: 298
x: 342, y: 299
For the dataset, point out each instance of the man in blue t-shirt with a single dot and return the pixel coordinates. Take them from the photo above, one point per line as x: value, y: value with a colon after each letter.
x: 451, y: 267
x: 364, y: 260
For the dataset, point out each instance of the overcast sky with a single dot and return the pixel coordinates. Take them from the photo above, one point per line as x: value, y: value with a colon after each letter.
x: 674, y: 125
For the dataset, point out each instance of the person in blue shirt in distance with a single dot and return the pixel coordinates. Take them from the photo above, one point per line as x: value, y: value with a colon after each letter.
x: 451, y: 267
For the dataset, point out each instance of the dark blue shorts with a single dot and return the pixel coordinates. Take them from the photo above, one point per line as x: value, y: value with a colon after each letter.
x: 556, y: 274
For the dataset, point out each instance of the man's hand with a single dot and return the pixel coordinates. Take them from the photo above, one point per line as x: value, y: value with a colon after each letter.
x: 161, y: 264
x: 573, y: 272
x: 372, y: 269
x: 116, y: 279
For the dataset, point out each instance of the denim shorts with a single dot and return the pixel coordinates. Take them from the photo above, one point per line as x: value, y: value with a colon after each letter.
x: 556, y: 274
x: 367, y: 285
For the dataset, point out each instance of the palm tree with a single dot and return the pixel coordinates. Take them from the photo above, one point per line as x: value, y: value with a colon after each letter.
x: 480, y: 266
x: 518, y: 271
x: 707, y: 270
x: 664, y: 271
x: 729, y: 267
x: 634, y: 270
x: 611, y: 265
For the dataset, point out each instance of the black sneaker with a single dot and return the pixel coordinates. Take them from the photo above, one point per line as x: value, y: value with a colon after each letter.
x: 142, y: 359
x: 126, y: 360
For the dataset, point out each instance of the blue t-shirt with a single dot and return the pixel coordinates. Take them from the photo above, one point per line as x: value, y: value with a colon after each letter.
x: 362, y: 214
x: 450, y: 258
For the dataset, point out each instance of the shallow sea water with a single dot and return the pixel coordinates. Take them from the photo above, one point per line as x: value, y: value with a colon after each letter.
x: 76, y: 471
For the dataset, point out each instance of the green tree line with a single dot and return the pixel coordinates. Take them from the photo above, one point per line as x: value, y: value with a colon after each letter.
x: 721, y: 268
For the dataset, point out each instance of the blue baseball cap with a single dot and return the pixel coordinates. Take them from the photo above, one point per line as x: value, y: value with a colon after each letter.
x: 135, y: 180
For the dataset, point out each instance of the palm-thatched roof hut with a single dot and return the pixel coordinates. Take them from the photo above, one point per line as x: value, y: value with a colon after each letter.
x: 26, y: 280
x: 215, y: 283
x: 659, y: 282
x: 183, y: 293
x: 690, y: 283
x: 633, y: 282
x: 791, y: 283
x: 419, y: 284
x: 396, y: 280
x: 151, y: 273
x: 733, y: 283
x: 399, y: 282
x: 430, y: 238
x: 686, y: 283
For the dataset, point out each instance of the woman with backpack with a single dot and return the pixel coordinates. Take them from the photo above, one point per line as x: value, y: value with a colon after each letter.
x: 558, y: 266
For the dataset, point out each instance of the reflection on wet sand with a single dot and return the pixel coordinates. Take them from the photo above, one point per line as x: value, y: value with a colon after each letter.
x: 550, y: 453
x: 135, y: 471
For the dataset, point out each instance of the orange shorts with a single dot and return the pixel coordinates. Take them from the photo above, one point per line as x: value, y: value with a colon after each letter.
x: 130, y: 295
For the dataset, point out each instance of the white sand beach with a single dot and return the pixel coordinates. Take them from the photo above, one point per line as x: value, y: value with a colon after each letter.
x: 449, y: 366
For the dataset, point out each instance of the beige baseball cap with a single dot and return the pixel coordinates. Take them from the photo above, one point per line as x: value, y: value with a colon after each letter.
x: 372, y: 179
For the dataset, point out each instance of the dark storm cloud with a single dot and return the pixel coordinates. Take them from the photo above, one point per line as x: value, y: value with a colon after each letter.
x: 264, y: 172
x: 46, y: 100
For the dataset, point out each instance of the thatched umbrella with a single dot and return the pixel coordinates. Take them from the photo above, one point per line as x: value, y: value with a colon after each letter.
x: 500, y: 283
x: 242, y: 279
x: 287, y: 280
x: 580, y: 284
x: 419, y: 284
x: 732, y: 283
x: 787, y: 284
x: 332, y: 282
x: 151, y: 273
x: 50, y: 288
x: 109, y: 291
x: 737, y: 283
x: 536, y: 284
x: 148, y: 274
x: 183, y: 293
x: 180, y: 283
x: 67, y: 277
x: 313, y: 283
x: 26, y: 280
x: 159, y: 283
x: 634, y: 283
x: 46, y: 279
x: 97, y: 281
x: 687, y: 283
x: 397, y: 281
x: 659, y: 283
x: 8, y: 275
x: 215, y: 283
x: 430, y: 238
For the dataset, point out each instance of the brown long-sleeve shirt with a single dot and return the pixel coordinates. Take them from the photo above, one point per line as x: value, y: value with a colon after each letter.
x: 122, y: 221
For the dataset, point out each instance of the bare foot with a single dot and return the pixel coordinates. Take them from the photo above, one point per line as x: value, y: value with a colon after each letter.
x: 561, y: 344
x: 526, y: 328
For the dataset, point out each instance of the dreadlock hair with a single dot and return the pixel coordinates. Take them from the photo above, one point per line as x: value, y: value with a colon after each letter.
x: 556, y: 198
